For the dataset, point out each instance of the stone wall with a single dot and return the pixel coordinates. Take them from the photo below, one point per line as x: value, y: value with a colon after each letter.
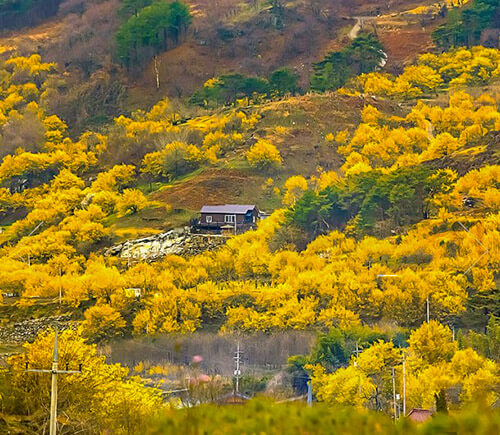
x: 27, y: 330
x: 175, y: 242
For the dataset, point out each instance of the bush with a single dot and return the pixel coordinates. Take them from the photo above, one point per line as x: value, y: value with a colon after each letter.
x: 227, y: 89
x: 264, y: 155
x: 102, y: 322
x: 259, y: 416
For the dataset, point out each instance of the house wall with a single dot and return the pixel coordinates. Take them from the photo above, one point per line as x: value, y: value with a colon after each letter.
x: 218, y: 218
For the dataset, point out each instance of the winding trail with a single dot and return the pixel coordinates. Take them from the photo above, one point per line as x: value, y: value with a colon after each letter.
x: 358, y: 26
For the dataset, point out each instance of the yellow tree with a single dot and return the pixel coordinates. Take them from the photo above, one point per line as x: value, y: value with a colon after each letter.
x: 294, y: 188
x: 347, y: 386
x: 102, y: 322
x: 432, y: 342
x: 101, y: 398
x: 264, y: 155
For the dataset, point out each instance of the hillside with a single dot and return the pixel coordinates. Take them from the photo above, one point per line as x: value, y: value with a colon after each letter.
x: 367, y: 131
x: 326, y: 153
x: 80, y: 39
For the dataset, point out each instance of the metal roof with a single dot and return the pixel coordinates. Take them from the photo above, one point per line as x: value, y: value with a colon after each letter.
x: 227, y: 208
x: 420, y: 415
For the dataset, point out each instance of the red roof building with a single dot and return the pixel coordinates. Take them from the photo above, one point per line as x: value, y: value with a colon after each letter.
x: 419, y: 415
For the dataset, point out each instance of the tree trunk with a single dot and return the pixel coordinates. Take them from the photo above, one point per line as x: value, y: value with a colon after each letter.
x: 157, y: 71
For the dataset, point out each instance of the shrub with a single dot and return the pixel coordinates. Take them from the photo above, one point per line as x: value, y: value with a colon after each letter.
x: 264, y: 155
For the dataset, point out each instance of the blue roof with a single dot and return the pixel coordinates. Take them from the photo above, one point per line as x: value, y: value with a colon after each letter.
x: 228, y: 208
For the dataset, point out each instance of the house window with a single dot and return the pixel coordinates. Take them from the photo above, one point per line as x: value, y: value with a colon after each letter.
x: 230, y: 218
x: 209, y: 219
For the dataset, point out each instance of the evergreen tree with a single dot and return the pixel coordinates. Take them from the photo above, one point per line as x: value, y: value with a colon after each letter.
x: 133, y: 7
x: 283, y: 81
x: 363, y: 55
x: 464, y: 26
x: 148, y: 33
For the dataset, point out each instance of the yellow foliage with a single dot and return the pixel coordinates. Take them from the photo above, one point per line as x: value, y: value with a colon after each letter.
x: 294, y: 188
x: 454, y: 68
x: 433, y: 342
x: 264, y: 155
x: 116, y: 402
x: 347, y: 386
x: 102, y: 321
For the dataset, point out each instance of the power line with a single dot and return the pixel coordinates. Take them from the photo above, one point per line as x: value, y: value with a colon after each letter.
x: 36, y: 228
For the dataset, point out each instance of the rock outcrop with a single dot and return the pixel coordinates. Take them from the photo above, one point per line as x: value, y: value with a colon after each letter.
x: 178, y: 242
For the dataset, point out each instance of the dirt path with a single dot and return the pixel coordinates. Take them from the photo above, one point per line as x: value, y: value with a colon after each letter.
x: 361, y: 21
x: 355, y: 29
x: 358, y: 26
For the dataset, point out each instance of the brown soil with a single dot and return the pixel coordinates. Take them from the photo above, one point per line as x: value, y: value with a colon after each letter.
x: 257, y: 48
x: 213, y: 186
x: 404, y: 41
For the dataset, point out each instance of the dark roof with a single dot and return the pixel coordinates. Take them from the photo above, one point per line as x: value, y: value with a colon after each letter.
x: 233, y: 399
x: 228, y: 208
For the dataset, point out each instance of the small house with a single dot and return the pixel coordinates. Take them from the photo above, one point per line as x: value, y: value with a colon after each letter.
x: 233, y: 398
x: 218, y: 217
x: 419, y: 415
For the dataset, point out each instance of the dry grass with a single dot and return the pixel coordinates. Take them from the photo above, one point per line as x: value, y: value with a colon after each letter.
x: 298, y: 127
x: 212, y: 186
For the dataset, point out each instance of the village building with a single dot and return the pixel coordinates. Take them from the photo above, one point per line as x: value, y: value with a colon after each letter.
x: 234, y: 218
x: 419, y: 415
x: 233, y: 398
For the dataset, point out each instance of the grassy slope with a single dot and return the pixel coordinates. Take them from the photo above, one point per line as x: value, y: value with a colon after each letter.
x: 298, y: 127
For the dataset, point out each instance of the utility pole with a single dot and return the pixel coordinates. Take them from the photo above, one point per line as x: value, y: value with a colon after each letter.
x: 394, y: 392
x: 357, y: 352
x: 427, y: 303
x: 237, y: 371
x: 309, y: 392
x: 60, y: 286
x: 404, y: 384
x: 53, y: 389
